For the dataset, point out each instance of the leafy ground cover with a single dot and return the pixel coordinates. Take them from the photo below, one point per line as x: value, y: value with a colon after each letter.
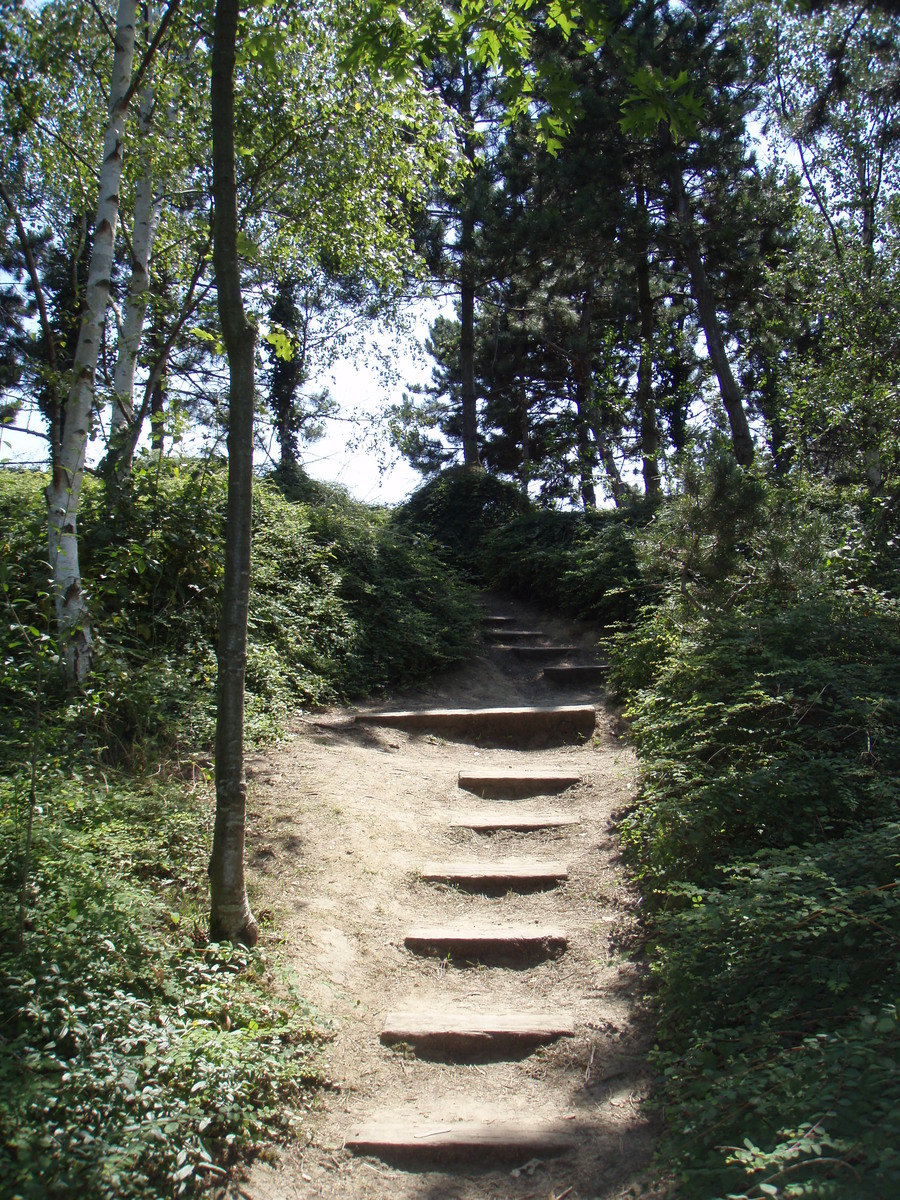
x: 138, y: 1060
x: 756, y: 653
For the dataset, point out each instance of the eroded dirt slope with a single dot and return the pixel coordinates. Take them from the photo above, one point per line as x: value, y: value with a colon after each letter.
x: 344, y: 816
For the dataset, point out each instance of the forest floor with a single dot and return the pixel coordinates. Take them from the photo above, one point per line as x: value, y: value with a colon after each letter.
x: 343, y: 815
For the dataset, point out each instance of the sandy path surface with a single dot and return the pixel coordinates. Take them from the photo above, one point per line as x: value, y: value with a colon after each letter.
x: 344, y: 815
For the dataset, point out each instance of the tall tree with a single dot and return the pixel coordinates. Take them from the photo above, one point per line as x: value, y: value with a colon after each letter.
x: 230, y: 916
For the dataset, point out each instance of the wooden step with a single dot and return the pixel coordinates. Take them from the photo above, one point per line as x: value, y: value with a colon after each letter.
x: 492, y: 619
x: 541, y: 653
x: 469, y: 1139
x: 468, y: 939
x: 504, y: 872
x: 513, y: 819
x: 513, y: 635
x: 563, y: 721
x: 467, y: 1031
x: 581, y: 673
x: 493, y: 783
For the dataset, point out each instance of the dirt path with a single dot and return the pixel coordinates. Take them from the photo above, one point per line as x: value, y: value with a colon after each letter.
x: 345, y: 817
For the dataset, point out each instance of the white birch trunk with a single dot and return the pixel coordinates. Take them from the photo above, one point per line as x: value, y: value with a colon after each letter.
x: 64, y: 491
x: 147, y: 212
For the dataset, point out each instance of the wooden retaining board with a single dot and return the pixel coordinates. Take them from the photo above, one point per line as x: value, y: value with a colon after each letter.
x: 470, y: 1138
x: 580, y: 673
x: 515, y: 820
x: 505, y: 871
x: 487, y: 782
x: 459, y: 1029
x: 472, y: 939
x: 542, y: 653
x: 515, y: 634
x: 562, y: 720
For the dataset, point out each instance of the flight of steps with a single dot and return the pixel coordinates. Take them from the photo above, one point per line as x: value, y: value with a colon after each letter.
x: 472, y: 1035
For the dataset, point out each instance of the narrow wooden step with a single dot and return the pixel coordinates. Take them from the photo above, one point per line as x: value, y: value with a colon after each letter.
x: 475, y: 1031
x: 486, y: 939
x: 493, y: 783
x: 505, y: 634
x: 471, y: 1139
x: 513, y: 819
x: 505, y: 872
x: 561, y: 721
x: 493, y: 619
x: 541, y: 653
x: 580, y: 673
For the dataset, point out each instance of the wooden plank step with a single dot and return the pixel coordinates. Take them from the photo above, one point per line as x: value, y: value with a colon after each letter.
x: 541, y: 653
x: 476, y: 1139
x: 580, y: 673
x: 513, y: 819
x: 562, y: 720
x: 500, y: 873
x: 462, y: 1030
x: 517, y: 635
x: 490, y: 783
x: 492, y: 619
x: 467, y: 938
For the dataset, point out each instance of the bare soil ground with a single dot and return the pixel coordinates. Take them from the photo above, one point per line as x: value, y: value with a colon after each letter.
x: 343, y: 816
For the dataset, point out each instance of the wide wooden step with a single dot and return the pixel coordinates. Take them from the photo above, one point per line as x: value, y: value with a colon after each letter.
x: 513, y: 819
x: 482, y: 1032
x: 468, y: 1139
x: 513, y: 635
x: 579, y: 673
x: 492, y: 783
x: 504, y: 872
x: 541, y: 653
x: 563, y: 721
x: 469, y: 939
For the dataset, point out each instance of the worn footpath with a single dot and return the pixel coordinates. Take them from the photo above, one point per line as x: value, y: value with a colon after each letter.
x: 444, y: 872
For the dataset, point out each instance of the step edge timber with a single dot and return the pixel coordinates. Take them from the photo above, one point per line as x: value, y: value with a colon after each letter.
x: 500, y: 871
x: 403, y: 1025
x: 514, y: 935
x: 512, y: 779
x: 512, y: 820
x: 554, y: 710
x: 495, y: 1136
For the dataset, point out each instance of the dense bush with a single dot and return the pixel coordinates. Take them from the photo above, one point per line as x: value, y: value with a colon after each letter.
x: 342, y: 603
x: 578, y: 563
x: 763, y: 695
x: 138, y: 1060
x: 135, y: 1061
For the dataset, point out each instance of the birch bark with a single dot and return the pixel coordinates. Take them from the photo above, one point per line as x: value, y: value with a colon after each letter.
x: 147, y: 213
x: 64, y: 490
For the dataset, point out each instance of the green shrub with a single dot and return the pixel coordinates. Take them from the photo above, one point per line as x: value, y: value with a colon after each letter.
x: 136, y: 1062
x: 779, y: 1049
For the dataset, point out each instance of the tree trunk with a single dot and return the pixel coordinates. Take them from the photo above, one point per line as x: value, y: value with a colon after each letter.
x: 645, y: 406
x: 741, y: 438
x: 147, y: 212
x: 583, y: 403
x: 471, y: 457
x: 230, y: 915
x: 64, y: 491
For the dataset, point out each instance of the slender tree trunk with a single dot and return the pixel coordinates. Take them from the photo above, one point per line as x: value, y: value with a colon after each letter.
x: 230, y: 915
x: 64, y: 491
x: 147, y: 213
x: 583, y: 403
x: 732, y: 399
x: 471, y: 457
x: 610, y: 466
x: 645, y: 405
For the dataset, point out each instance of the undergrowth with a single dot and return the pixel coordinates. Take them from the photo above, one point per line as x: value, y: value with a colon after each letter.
x: 137, y: 1060
x: 756, y: 651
